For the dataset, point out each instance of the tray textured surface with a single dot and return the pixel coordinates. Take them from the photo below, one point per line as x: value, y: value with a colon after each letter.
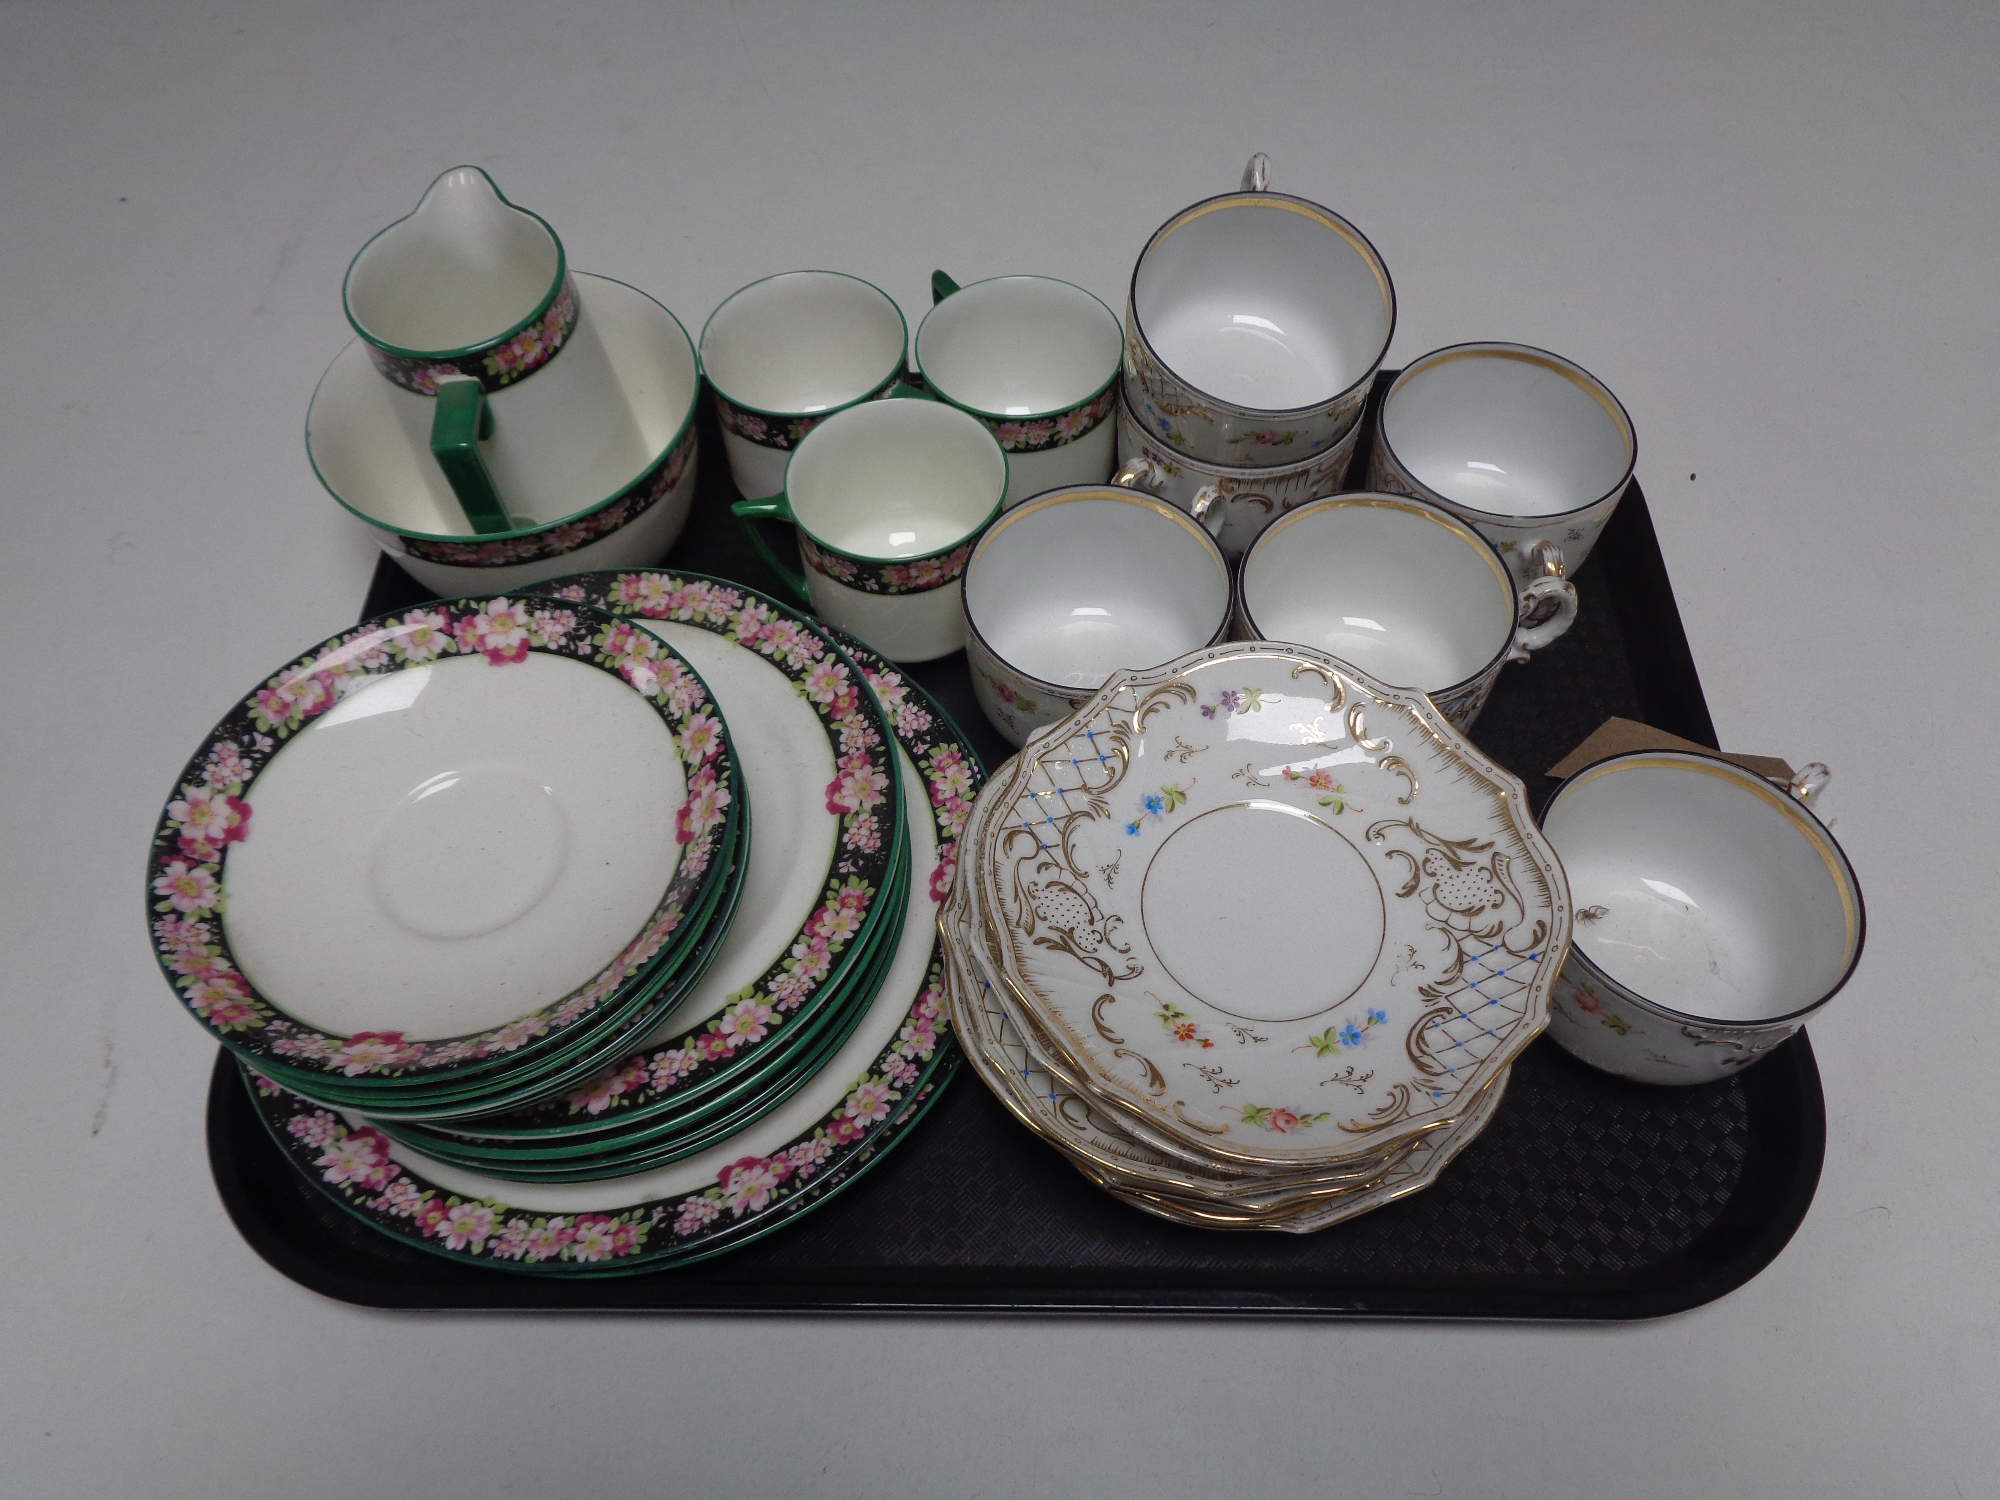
x: 1585, y: 1198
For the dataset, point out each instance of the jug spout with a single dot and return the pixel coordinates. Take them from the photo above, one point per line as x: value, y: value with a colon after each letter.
x: 466, y: 269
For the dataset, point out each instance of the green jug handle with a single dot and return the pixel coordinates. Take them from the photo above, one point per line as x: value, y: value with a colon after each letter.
x: 942, y: 286
x: 771, y: 508
x: 460, y: 420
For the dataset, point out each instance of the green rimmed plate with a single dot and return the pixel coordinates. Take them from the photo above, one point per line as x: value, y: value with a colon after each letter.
x: 800, y: 1156
x: 408, y: 942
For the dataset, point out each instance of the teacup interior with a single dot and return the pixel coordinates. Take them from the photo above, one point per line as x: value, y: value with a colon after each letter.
x: 462, y: 270
x: 1263, y: 305
x: 803, y: 342
x: 1019, y: 346
x: 1390, y: 587
x: 1507, y: 432
x: 1072, y: 588
x: 1704, y: 890
x: 896, y: 478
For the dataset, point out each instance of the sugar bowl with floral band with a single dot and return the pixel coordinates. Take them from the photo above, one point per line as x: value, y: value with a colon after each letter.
x: 468, y: 309
x: 1524, y: 444
x: 356, y: 442
x: 1037, y: 361
x: 1068, y: 588
x: 888, y: 498
x: 1243, y: 501
x: 1715, y: 914
x: 785, y: 353
x: 1405, y: 591
x: 1254, y: 327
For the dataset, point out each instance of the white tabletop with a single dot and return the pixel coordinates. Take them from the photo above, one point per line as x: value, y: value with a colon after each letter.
x: 1774, y: 231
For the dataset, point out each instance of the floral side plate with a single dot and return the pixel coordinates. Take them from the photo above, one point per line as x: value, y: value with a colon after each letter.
x: 875, y: 1088
x: 352, y: 845
x: 826, y: 840
x: 1257, y: 857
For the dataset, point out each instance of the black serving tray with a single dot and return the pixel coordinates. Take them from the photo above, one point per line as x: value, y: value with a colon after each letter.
x: 1586, y: 1198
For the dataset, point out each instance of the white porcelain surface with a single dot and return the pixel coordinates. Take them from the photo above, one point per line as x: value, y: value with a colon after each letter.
x: 876, y: 1030
x: 361, y: 436
x: 1088, y: 460
x: 802, y: 342
x: 1385, y: 586
x: 1704, y: 893
x: 1251, y: 498
x: 904, y: 627
x: 454, y: 846
x: 1262, y: 305
x: 467, y: 268
x: 1076, y: 585
x: 1170, y: 854
x: 787, y: 764
x: 1019, y: 346
x: 895, y: 479
x: 1522, y: 443
x: 463, y: 269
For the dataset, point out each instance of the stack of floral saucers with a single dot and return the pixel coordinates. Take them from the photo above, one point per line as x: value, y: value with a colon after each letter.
x: 1253, y: 939
x: 798, y: 1037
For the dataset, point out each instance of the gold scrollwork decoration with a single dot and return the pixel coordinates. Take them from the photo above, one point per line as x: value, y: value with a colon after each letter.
x: 1097, y: 1019
x: 1354, y: 727
x: 1404, y: 769
x: 1181, y: 1114
x: 1155, y: 1084
x: 1165, y: 695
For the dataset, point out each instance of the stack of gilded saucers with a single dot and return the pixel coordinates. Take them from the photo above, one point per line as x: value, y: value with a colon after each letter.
x: 1253, y: 939
x: 769, y: 1020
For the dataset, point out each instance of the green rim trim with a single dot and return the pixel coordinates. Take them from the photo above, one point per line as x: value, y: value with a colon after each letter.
x: 542, y: 307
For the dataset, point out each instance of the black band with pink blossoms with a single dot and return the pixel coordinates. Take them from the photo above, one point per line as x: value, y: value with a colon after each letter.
x: 918, y: 575
x: 648, y: 490
x: 496, y: 365
x: 751, y: 1194
x: 1039, y: 434
x: 783, y: 433
x: 216, y: 798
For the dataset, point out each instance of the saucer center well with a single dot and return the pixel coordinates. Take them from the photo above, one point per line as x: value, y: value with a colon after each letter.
x: 1263, y: 911
x: 468, y: 852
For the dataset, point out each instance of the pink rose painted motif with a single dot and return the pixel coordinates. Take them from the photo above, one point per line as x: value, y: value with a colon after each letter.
x: 493, y: 365
x: 214, y: 809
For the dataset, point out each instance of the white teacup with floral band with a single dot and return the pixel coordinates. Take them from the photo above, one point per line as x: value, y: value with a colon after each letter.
x: 356, y: 438
x: 1254, y: 328
x: 1524, y: 444
x: 888, y: 498
x: 1242, y: 501
x: 1715, y: 915
x: 1405, y: 591
x: 785, y: 353
x: 1072, y: 586
x: 1036, y: 360
x: 468, y: 308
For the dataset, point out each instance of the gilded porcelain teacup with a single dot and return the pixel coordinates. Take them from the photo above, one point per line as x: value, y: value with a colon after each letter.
x: 1255, y: 325
x: 1236, y: 504
x: 888, y: 498
x: 785, y: 353
x: 1522, y: 443
x: 1715, y: 914
x: 1405, y: 591
x: 1072, y: 586
x: 1036, y: 360
x: 468, y: 308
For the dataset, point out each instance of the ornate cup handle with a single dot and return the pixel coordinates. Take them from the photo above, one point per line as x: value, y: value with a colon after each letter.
x: 1546, y: 560
x: 1810, y: 781
x: 1207, y: 508
x: 1257, y: 175
x: 1539, y: 591
x: 1139, y: 473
